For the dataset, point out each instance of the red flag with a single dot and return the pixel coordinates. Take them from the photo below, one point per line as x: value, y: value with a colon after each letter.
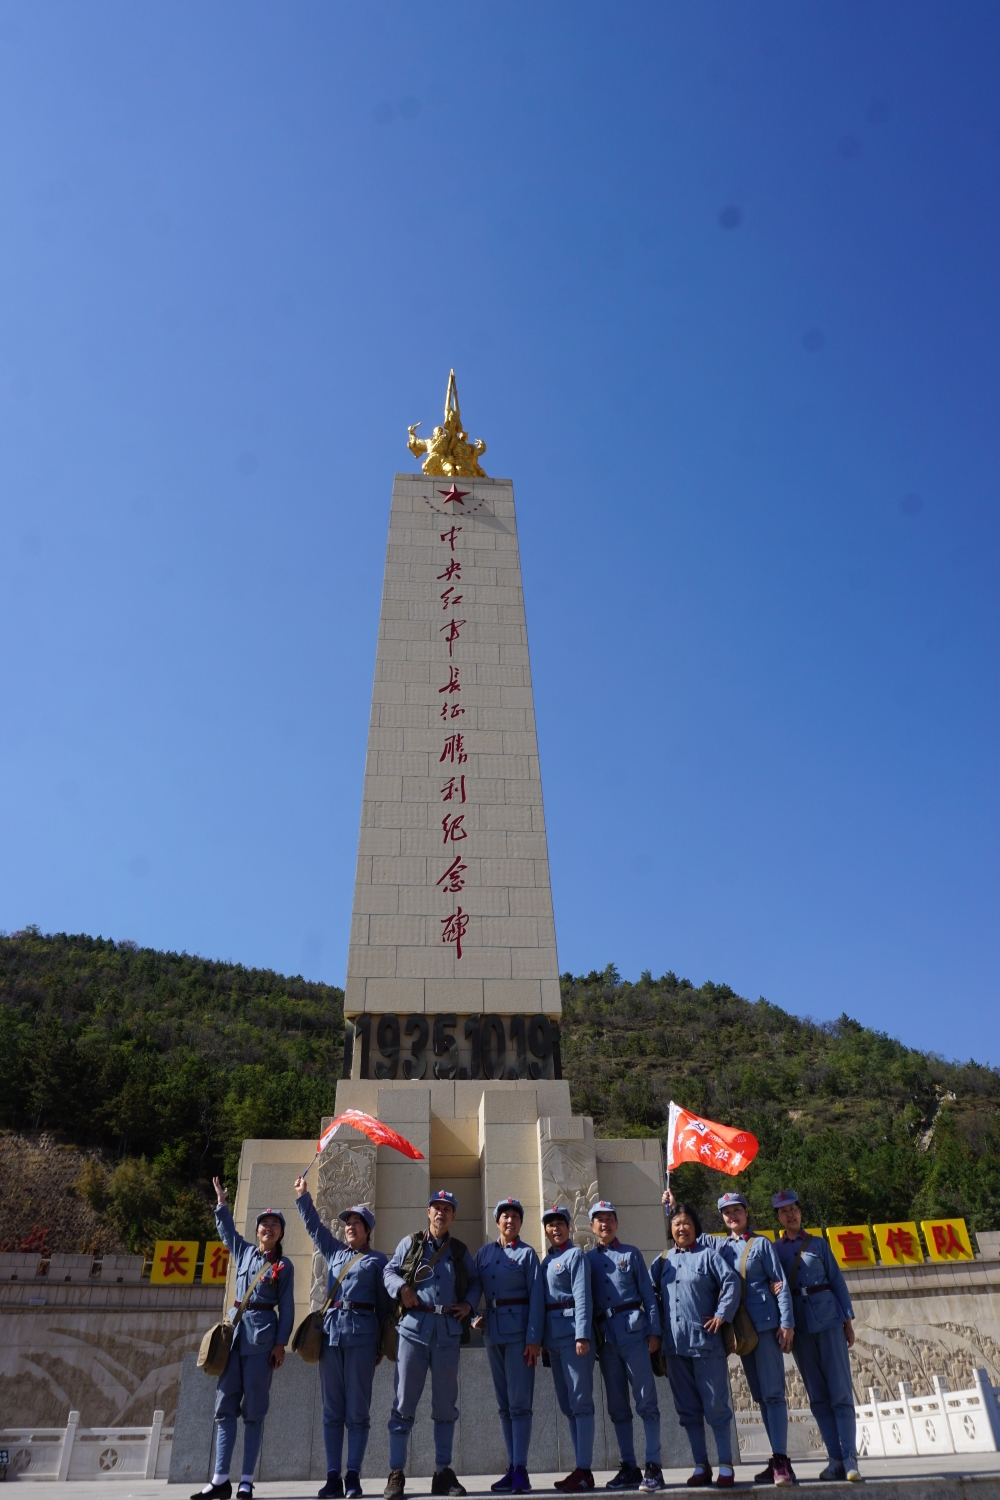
x: 722, y: 1147
x: 382, y: 1135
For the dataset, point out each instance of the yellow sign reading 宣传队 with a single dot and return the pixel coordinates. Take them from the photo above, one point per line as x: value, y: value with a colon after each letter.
x: 852, y: 1246
x: 216, y: 1267
x: 899, y: 1244
x: 947, y: 1239
x: 174, y: 1262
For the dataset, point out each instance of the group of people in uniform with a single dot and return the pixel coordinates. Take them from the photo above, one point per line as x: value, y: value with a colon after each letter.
x: 571, y: 1308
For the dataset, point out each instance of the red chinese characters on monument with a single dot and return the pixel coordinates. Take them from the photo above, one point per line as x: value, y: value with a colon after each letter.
x: 453, y: 752
x: 454, y: 929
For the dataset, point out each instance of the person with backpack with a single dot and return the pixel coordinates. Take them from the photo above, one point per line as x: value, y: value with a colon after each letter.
x: 435, y: 1282
x: 568, y: 1341
x: 512, y: 1329
x: 698, y: 1292
x: 824, y: 1335
x: 357, y: 1301
x: 627, y: 1322
x: 258, y: 1347
x: 753, y: 1258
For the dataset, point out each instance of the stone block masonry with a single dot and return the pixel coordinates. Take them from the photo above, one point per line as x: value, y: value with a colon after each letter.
x: 452, y: 905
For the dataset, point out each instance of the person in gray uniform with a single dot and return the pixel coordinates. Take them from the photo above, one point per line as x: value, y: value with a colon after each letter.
x: 628, y: 1319
x: 435, y: 1280
x: 512, y: 1327
x: 699, y: 1291
x: 258, y: 1348
x: 350, y: 1336
x: 568, y: 1342
x: 753, y: 1257
x: 824, y: 1335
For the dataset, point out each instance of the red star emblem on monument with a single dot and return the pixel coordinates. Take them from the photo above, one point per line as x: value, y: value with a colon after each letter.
x: 454, y: 494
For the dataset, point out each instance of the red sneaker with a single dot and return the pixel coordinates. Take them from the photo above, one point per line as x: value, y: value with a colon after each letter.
x: 782, y: 1470
x: 575, y: 1483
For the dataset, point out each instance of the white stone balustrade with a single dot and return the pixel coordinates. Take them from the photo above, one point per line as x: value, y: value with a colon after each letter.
x: 906, y: 1426
x: 75, y: 1452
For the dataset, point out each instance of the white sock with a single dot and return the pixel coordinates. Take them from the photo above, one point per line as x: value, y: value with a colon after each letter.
x: 725, y: 1468
x: 216, y: 1479
x: 246, y: 1479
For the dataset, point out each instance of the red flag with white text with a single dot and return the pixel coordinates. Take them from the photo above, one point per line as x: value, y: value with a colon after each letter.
x: 721, y: 1147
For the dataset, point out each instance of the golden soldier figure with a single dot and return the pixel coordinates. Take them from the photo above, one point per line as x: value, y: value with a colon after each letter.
x: 448, y: 448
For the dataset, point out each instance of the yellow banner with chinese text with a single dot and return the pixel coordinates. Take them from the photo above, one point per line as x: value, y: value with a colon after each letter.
x: 216, y: 1267
x: 899, y: 1244
x: 852, y: 1246
x: 947, y: 1239
x: 174, y: 1262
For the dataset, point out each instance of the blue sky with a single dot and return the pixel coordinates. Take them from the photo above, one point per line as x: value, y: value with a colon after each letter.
x: 719, y: 284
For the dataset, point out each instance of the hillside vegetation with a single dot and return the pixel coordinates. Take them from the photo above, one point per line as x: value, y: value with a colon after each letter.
x: 153, y: 1067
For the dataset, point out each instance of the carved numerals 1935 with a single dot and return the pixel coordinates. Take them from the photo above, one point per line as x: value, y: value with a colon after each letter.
x: 420, y: 1046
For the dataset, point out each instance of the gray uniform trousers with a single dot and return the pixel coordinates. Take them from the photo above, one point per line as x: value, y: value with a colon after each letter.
x: 824, y: 1363
x: 412, y: 1364
x: 700, y: 1388
x: 624, y: 1365
x: 765, y: 1373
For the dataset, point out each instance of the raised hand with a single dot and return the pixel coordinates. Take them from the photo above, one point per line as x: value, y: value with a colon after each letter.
x: 300, y: 1186
x: 221, y: 1192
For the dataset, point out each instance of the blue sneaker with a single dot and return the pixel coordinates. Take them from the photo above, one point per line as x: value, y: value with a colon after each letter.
x: 520, y: 1484
x: 504, y: 1485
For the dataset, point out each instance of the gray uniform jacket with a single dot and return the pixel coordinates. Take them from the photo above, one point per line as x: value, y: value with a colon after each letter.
x: 270, y: 1321
x: 820, y: 1299
x: 568, y: 1300
x: 694, y: 1285
x: 624, y: 1300
x: 362, y: 1300
x: 430, y: 1323
x: 762, y: 1267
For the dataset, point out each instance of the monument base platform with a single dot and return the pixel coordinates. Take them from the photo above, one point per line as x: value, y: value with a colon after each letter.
x: 293, y: 1432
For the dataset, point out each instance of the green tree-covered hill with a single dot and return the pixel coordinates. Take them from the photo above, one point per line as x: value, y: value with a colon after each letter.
x: 157, y: 1065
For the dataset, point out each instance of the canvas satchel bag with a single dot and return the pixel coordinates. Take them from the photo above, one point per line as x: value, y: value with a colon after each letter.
x: 217, y: 1345
x: 656, y: 1359
x: 307, y: 1340
x: 740, y: 1336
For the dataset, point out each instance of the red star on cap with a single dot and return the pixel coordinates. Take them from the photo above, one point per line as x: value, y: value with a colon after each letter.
x: 454, y: 494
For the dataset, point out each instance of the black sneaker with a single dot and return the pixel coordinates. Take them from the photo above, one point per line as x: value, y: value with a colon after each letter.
x: 334, y: 1487
x: 629, y: 1477
x: 395, y: 1485
x: 766, y: 1476
x: 352, y: 1485
x: 445, y: 1482
x: 653, y: 1478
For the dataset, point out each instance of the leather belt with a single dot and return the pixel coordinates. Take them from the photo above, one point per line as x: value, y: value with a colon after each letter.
x: 347, y: 1306
x: 551, y: 1306
x: 807, y: 1291
x: 609, y: 1312
x: 262, y: 1307
x: 508, y: 1301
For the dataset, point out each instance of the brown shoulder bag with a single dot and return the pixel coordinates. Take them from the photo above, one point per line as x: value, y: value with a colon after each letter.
x: 217, y: 1345
x: 307, y: 1340
x: 740, y: 1336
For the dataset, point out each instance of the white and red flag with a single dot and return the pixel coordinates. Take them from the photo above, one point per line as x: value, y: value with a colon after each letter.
x: 721, y: 1147
x: 382, y: 1135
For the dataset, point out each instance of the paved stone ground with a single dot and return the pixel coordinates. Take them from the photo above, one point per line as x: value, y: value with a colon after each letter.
x: 940, y: 1480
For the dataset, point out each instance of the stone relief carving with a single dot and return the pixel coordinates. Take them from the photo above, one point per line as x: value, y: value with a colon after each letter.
x: 884, y: 1358
x: 569, y: 1176
x: 345, y: 1174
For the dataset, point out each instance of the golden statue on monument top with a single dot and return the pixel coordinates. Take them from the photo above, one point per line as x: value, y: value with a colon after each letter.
x: 448, y: 448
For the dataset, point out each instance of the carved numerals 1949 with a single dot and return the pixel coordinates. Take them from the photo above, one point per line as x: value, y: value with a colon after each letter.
x: 420, y: 1046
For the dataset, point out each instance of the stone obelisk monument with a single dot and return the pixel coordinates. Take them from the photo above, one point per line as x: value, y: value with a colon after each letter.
x: 452, y: 996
